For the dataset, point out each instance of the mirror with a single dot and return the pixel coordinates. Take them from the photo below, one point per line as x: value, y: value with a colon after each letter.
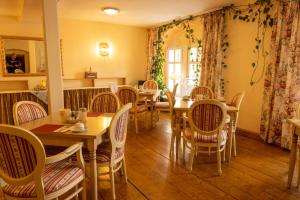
x: 23, y: 56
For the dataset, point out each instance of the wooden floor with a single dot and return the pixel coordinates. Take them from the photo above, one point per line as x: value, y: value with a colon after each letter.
x: 258, y: 172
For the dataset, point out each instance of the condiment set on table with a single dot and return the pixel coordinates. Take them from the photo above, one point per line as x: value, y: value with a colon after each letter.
x: 78, y: 118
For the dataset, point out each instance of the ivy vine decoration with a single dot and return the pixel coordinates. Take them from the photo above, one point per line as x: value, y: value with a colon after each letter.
x: 158, y: 58
x: 262, y: 13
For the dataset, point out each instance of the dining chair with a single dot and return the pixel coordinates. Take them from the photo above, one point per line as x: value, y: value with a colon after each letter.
x: 111, y: 154
x: 105, y: 102
x: 164, y: 105
x: 206, y: 132
x: 150, y: 85
x: 236, y: 102
x: 202, y: 90
x: 129, y: 94
x: 28, y: 174
x: 26, y: 111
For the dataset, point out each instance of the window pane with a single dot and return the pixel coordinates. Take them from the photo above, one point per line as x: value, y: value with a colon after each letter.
x: 178, y: 55
x: 171, y: 55
x: 193, y: 54
x: 177, y: 70
x: 170, y: 69
x: 170, y: 84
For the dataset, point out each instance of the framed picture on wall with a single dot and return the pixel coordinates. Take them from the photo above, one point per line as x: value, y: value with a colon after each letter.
x: 17, y: 61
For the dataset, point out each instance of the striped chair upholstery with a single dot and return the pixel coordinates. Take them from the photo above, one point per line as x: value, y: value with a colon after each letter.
x: 24, y: 169
x: 112, y: 154
x: 205, y: 91
x: 150, y: 84
x: 206, y: 130
x: 105, y: 102
x: 17, y: 156
x: 26, y: 111
x: 55, y: 177
x: 127, y: 95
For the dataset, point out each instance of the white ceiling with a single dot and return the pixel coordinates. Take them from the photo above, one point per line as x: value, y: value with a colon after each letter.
x: 143, y: 13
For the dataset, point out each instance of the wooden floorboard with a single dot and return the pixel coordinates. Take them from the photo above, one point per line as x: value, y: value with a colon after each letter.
x: 258, y: 172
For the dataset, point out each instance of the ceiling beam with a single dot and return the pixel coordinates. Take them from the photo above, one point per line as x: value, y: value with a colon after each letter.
x: 21, y: 10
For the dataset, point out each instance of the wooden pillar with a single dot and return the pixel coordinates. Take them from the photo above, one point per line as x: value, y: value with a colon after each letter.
x: 51, y: 35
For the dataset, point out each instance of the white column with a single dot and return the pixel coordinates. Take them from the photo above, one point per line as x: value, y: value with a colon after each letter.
x: 51, y: 33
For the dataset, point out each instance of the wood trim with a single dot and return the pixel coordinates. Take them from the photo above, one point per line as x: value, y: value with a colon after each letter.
x: 21, y: 37
x: 248, y: 134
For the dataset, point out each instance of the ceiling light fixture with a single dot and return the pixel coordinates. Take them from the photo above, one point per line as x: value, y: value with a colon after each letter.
x: 111, y: 10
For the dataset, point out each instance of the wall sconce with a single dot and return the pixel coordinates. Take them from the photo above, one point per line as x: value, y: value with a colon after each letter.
x: 104, y: 49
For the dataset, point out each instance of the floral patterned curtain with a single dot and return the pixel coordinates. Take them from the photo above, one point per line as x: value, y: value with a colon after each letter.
x: 282, y: 81
x: 152, y: 36
x: 211, y: 70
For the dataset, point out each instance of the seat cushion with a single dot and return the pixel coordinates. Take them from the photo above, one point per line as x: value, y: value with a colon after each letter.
x: 204, y: 138
x: 163, y: 105
x: 103, y: 153
x: 56, y: 176
x: 139, y: 109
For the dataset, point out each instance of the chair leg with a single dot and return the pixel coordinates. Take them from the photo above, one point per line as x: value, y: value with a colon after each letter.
x: 124, y: 169
x: 136, y: 124
x: 177, y: 139
x: 219, y: 162
x: 112, y: 182
x: 224, y: 153
x: 83, y: 193
x: 234, y: 144
x: 172, y: 144
x: 183, y: 150
x: 192, y: 158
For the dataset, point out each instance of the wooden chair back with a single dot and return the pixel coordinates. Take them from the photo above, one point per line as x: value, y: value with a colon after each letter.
x: 150, y: 84
x: 118, y: 132
x: 22, y: 157
x: 204, y: 90
x: 207, y: 117
x: 26, y: 111
x: 237, y: 99
x: 171, y: 101
x: 105, y: 102
x: 127, y: 95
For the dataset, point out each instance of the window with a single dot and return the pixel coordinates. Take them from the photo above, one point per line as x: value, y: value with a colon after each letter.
x: 194, y: 60
x: 174, y: 66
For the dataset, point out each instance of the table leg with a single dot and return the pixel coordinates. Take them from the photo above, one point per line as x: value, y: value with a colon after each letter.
x: 92, y: 148
x: 293, y: 155
x: 230, y: 138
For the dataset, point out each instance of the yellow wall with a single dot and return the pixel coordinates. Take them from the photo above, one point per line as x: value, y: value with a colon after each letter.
x: 80, y: 39
x: 238, y: 73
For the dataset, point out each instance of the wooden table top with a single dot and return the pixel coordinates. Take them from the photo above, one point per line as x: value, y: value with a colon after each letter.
x: 96, y: 126
x: 184, y: 105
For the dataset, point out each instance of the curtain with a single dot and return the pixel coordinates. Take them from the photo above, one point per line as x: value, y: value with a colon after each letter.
x: 7, y: 101
x: 81, y: 98
x: 282, y: 78
x: 152, y: 37
x: 211, y: 69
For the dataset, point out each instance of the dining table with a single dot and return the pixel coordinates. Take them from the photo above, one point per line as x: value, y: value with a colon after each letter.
x: 150, y: 96
x: 293, y: 154
x: 183, y: 105
x: 97, y: 125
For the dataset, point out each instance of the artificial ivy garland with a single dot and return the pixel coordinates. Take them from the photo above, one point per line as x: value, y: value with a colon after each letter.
x: 261, y: 12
